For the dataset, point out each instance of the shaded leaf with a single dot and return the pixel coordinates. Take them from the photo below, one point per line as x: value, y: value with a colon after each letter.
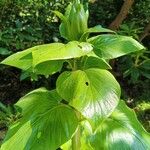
x: 96, y: 29
x: 4, y: 51
x: 48, y: 67
x: 145, y: 74
x: 146, y: 64
x: 96, y: 62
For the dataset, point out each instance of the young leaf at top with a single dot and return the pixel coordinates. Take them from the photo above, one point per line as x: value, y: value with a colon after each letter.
x: 121, y: 130
x: 112, y: 46
x: 93, y: 92
x: 74, y: 22
x: 64, y: 26
x: 46, y: 123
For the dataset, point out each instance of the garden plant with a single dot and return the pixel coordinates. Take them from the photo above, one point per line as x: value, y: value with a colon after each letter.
x: 84, y: 112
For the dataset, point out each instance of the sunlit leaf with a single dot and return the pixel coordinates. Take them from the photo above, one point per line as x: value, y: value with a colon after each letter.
x: 46, y: 123
x: 94, y: 92
x: 59, y: 51
x: 111, y: 46
x: 47, y: 55
x: 22, y: 60
x: 121, y: 130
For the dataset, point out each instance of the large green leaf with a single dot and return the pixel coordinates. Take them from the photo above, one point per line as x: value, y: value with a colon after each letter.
x: 58, y: 51
x: 111, y: 46
x: 121, y: 130
x: 48, y: 55
x: 94, y: 92
x: 46, y: 123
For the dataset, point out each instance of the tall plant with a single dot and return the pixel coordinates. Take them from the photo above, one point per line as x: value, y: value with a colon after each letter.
x: 84, y: 111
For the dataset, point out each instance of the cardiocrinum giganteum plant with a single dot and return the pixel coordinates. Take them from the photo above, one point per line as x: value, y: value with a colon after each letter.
x: 84, y: 112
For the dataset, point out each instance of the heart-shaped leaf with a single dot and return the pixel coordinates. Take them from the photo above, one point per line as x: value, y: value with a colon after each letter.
x: 111, y: 46
x: 93, y: 92
x: 46, y: 123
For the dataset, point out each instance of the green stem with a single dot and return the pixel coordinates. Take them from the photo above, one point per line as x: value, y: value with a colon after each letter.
x: 74, y: 65
x: 137, y: 60
x: 76, y: 140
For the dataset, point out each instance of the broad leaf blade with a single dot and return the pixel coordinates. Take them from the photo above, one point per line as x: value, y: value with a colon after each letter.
x: 113, y: 46
x: 44, y: 55
x: 45, y: 123
x: 121, y: 130
x: 59, y: 51
x: 93, y: 92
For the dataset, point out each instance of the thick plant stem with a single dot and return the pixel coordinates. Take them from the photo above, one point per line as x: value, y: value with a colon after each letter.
x: 76, y: 140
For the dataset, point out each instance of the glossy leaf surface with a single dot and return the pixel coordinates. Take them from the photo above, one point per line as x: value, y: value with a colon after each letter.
x: 121, y: 130
x: 112, y: 46
x: 48, y: 55
x: 93, y: 92
x: 59, y: 51
x: 46, y: 123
